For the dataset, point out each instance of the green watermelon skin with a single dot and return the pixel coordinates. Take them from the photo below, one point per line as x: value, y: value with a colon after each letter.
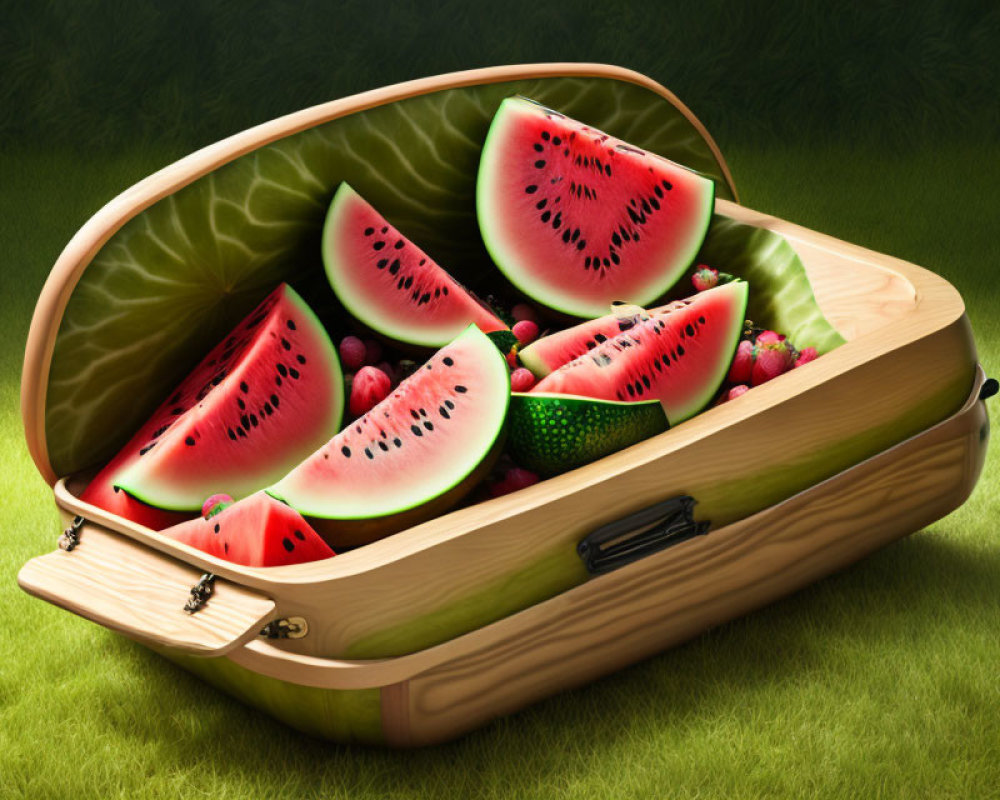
x: 577, y: 219
x: 552, y: 434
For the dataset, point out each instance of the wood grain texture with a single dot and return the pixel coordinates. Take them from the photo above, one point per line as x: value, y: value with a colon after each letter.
x: 85, y: 244
x: 129, y: 588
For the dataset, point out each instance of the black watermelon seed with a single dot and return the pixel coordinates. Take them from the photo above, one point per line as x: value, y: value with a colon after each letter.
x: 378, y: 245
x: 299, y: 535
x: 146, y: 449
x: 288, y: 544
x: 531, y: 189
x: 541, y: 203
x: 382, y: 262
x: 606, y: 263
x: 385, y: 229
x: 300, y: 358
x: 189, y: 441
x: 654, y: 203
x: 397, y: 442
x: 600, y: 337
x: 566, y: 235
x: 408, y: 282
x: 245, y: 422
x: 414, y: 414
x: 346, y: 451
x: 176, y: 411
x: 400, y: 282
x: 399, y: 244
x: 538, y: 147
x: 557, y: 141
x: 429, y: 426
x: 243, y: 387
x: 680, y: 350
x: 253, y: 420
x: 586, y: 264
x: 232, y: 434
x: 282, y: 370
x: 658, y: 191
x: 607, y: 170
x: 226, y: 546
x: 426, y: 297
x: 665, y: 360
x: 545, y: 135
x: 357, y: 429
x: 444, y: 412
x: 416, y: 430
x: 460, y: 389
x: 689, y: 330
x: 285, y: 343
x: 701, y: 320
x: 667, y: 185
x: 241, y: 432
x: 645, y: 380
x: 394, y: 267
x: 450, y: 404
x: 274, y: 400
x: 444, y: 290
x: 369, y: 231
x: 369, y: 453
x: 218, y: 527
x: 160, y: 431
x: 616, y: 239
x: 576, y: 234
x: 383, y: 446
x: 631, y: 390
x: 437, y: 292
x: 658, y: 366
x: 546, y: 215
x: 616, y: 258
x: 540, y: 163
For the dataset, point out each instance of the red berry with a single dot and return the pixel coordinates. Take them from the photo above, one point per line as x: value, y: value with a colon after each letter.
x: 522, y: 312
x: 771, y: 361
x: 370, y: 387
x: 742, y: 366
x: 737, y: 391
x: 352, y: 353
x: 214, y: 504
x: 770, y: 337
x: 526, y: 331
x: 521, y: 380
x: 373, y: 351
x: 514, y: 479
x: 806, y: 355
x: 705, y: 278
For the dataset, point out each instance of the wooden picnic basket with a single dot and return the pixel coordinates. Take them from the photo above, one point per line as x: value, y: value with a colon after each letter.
x: 437, y: 629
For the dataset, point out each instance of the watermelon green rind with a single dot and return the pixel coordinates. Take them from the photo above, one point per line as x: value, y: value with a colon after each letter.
x: 175, y: 278
x: 161, y: 495
x: 554, y: 433
x: 564, y: 299
x: 491, y: 428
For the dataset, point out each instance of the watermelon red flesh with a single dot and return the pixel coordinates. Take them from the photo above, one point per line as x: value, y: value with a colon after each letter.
x: 257, y: 531
x: 389, y: 283
x: 577, y: 219
x: 259, y: 402
x: 679, y: 358
x: 561, y: 347
x: 418, y: 444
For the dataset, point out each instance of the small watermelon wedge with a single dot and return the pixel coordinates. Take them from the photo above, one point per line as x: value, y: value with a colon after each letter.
x: 389, y: 283
x: 413, y: 455
x: 577, y: 219
x: 258, y: 403
x: 257, y: 531
x: 679, y: 358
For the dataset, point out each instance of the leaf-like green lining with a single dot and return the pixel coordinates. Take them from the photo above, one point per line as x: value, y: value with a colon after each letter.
x: 174, y: 279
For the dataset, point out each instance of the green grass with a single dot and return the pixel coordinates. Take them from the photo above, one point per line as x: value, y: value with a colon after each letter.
x: 879, y: 681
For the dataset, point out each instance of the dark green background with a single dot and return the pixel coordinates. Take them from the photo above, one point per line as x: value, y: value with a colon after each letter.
x: 874, y: 122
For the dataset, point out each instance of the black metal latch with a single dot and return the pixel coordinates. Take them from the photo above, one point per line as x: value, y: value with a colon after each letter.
x: 70, y: 537
x: 286, y: 628
x: 641, y: 534
x: 200, y: 593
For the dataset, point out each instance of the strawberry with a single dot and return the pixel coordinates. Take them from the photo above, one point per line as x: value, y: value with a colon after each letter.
x: 742, y: 366
x: 369, y: 388
x: 705, y: 278
x: 526, y: 332
x: 521, y: 380
x: 771, y: 361
x: 806, y: 355
x: 770, y: 337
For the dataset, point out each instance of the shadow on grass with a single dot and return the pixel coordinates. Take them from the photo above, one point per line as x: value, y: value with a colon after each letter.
x: 900, y: 594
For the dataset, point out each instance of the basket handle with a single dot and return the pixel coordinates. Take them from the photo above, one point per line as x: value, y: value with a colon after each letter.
x: 146, y: 595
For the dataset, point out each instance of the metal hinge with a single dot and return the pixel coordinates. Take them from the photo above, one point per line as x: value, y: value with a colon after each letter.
x: 200, y: 593
x: 288, y: 628
x: 70, y: 537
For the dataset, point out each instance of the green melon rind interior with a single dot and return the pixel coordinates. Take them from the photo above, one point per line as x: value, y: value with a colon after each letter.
x: 181, y: 274
x: 394, y: 329
x: 156, y: 494
x: 717, y: 371
x: 498, y: 386
x: 519, y: 274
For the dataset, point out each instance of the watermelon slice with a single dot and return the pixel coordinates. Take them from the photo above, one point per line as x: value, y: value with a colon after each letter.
x: 679, y: 358
x: 259, y: 402
x: 257, y: 531
x: 389, y: 283
x: 556, y: 349
x: 414, y: 454
x: 577, y: 219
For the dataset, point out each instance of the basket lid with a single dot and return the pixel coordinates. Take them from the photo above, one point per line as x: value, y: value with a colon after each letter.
x: 161, y: 272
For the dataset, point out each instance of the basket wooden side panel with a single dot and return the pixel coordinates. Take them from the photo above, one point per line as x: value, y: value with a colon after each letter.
x: 618, y: 619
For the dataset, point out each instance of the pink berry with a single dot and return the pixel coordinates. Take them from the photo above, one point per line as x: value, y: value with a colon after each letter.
x: 770, y: 337
x: 742, y: 366
x: 772, y: 360
x: 522, y: 312
x: 705, y: 278
x: 352, y: 353
x: 806, y: 355
x: 526, y: 331
x: 521, y: 380
x: 737, y: 391
x: 214, y: 504
x: 514, y: 479
x: 370, y: 387
x: 373, y: 351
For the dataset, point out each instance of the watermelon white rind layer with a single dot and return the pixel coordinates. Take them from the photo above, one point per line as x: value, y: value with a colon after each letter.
x: 391, y: 285
x: 257, y: 404
x: 679, y: 357
x: 422, y: 442
x: 577, y: 219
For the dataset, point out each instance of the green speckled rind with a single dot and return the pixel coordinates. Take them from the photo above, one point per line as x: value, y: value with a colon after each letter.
x: 552, y: 434
x: 167, y: 285
x: 343, y: 715
x: 781, y: 297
